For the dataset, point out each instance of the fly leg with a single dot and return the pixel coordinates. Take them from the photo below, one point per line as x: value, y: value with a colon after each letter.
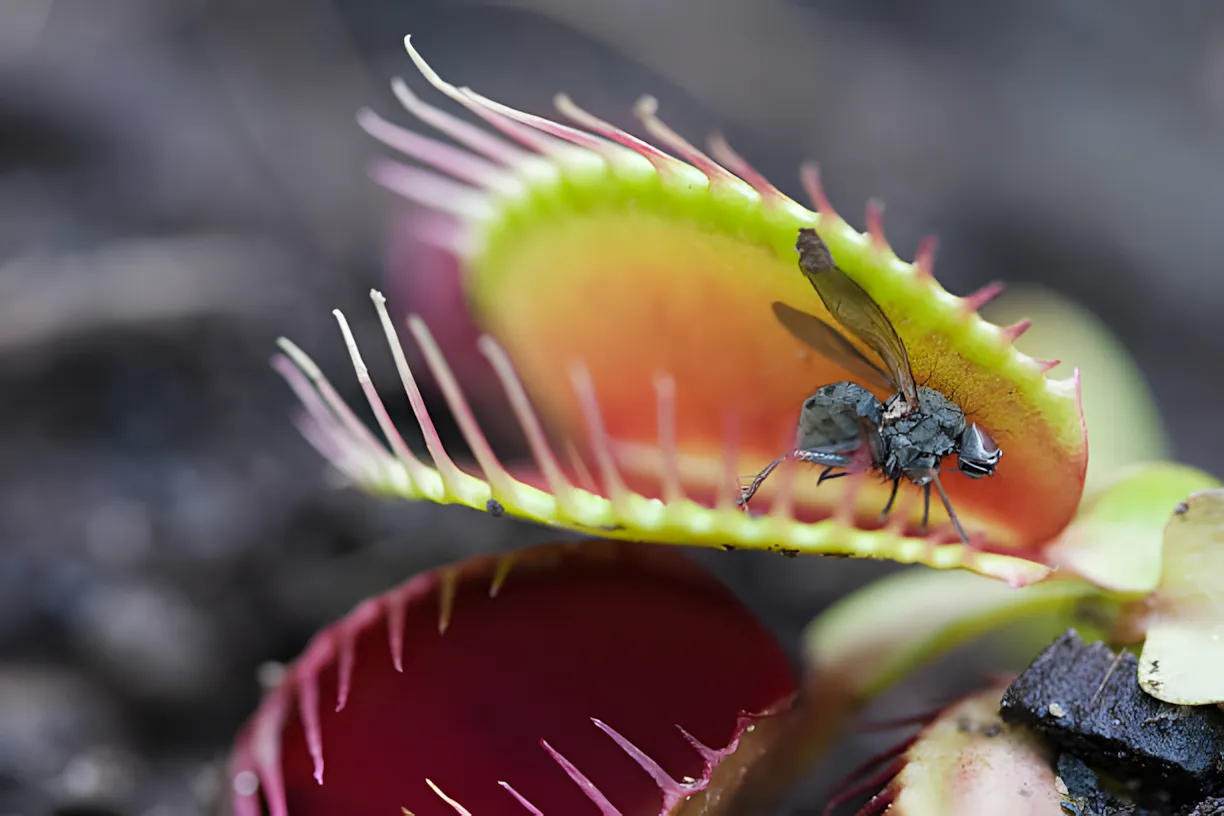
x: 829, y: 460
x: 827, y: 474
x: 892, y: 498
x: 926, y: 480
x: 947, y: 503
x: 755, y: 485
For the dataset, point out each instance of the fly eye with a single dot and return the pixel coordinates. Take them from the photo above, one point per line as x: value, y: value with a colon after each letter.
x: 975, y: 470
x: 978, y: 453
x: 981, y: 443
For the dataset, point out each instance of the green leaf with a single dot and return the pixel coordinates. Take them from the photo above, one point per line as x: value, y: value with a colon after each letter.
x: 876, y: 636
x: 1116, y: 540
x: 1183, y: 656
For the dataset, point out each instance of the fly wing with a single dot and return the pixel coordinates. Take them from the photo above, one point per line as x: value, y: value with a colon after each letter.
x: 854, y: 309
x: 831, y: 344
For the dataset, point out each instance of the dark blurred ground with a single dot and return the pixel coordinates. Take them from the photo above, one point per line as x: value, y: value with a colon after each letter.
x: 182, y: 182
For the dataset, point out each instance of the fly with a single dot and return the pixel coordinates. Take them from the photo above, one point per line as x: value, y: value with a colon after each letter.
x: 842, y: 423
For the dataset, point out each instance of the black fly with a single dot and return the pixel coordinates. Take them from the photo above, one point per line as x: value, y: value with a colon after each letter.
x: 908, y: 435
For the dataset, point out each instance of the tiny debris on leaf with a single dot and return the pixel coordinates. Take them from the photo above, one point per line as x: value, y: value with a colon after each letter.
x: 1168, y: 752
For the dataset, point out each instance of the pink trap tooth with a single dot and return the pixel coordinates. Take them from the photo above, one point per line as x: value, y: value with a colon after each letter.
x: 617, y: 492
x: 346, y: 646
x: 330, y: 447
x: 248, y: 805
x: 431, y: 190
x: 875, y: 225
x: 733, y: 161
x: 348, y: 657
x: 1013, y: 332
x: 522, y: 800
x: 440, y: 230
x: 245, y: 763
x: 665, y: 393
x: 707, y: 753
x: 336, y: 405
x: 396, y: 612
x: 1047, y: 365
x: 663, y: 164
x: 513, y: 123
x: 446, y: 598
x: 940, y: 537
x: 245, y: 783
x: 306, y: 393
x: 349, y: 452
x: 731, y: 492
x: 267, y: 754
x: 461, y: 164
x: 433, y: 442
x: 976, y: 300
x: 467, y: 134
x: 646, y: 111
x: 924, y: 258
x: 499, y: 480
x: 308, y: 710
x: 593, y: 793
x: 586, y: 479
x: 784, y: 477
x: 784, y: 498
x: 809, y: 176
x: 845, y: 512
x: 417, y: 472
x: 351, y: 465
x: 564, y: 133
x: 672, y: 790
x: 459, y: 809
x: 522, y: 134
x: 529, y: 421
x: 504, y: 566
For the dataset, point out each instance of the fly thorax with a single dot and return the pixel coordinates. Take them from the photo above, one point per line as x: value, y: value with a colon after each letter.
x: 922, y: 438
x: 942, y: 416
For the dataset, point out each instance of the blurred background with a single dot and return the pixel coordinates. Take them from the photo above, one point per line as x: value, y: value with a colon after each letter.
x: 182, y: 182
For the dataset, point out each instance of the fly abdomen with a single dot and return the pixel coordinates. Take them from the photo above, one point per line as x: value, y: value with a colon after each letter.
x: 829, y: 420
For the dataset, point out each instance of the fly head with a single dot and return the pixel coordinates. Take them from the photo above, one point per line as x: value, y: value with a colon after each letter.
x: 979, y: 454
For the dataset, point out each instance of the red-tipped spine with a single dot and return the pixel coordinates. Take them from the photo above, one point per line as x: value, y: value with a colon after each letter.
x: 924, y: 258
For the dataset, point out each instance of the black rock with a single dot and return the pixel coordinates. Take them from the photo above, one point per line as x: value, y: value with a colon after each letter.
x: 1086, y: 701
